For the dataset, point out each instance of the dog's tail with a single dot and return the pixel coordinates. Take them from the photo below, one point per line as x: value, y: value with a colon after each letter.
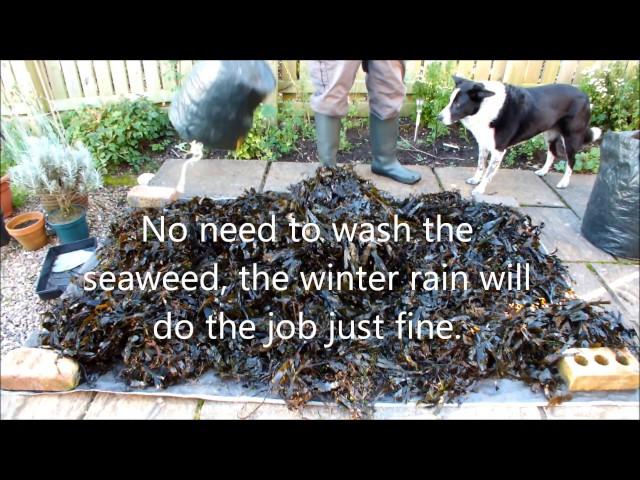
x: 592, y: 135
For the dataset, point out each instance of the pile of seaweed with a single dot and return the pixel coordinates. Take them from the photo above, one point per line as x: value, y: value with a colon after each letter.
x: 518, y: 334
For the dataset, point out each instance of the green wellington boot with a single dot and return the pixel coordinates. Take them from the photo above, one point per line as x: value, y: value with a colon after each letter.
x: 327, y: 139
x: 384, y: 137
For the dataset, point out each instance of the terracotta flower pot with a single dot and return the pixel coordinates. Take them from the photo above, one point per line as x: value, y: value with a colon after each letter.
x: 32, y: 236
x: 50, y: 204
x: 6, y: 198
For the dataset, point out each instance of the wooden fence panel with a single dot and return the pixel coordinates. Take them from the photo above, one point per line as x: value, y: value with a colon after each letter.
x: 23, y: 78
x: 151, y: 76
x: 134, y: 72
x: 289, y: 74
x: 71, y: 78
x: 567, y: 69
x: 103, y: 76
x: 119, y: 76
x: 514, y: 71
x: 54, y: 74
x: 8, y: 79
x: 582, y: 66
x: 184, y: 68
x: 465, y: 68
x: 359, y: 85
x: 87, y: 79
x: 550, y: 71
x: 412, y: 73
x: 497, y: 70
x: 483, y: 70
x: 71, y: 84
x: 8, y: 102
x: 533, y: 71
x: 305, y: 84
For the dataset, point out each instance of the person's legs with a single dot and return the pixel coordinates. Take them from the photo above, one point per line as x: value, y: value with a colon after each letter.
x: 332, y: 81
x: 385, y: 84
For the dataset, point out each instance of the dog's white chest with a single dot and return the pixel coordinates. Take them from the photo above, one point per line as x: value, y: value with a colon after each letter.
x: 481, y: 131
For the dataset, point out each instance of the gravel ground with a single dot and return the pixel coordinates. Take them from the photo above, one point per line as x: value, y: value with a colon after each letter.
x: 20, y: 307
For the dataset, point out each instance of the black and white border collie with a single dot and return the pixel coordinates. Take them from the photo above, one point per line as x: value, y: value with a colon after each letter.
x: 500, y: 116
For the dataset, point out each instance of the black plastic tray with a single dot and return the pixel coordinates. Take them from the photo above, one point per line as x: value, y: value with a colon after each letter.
x: 51, y: 285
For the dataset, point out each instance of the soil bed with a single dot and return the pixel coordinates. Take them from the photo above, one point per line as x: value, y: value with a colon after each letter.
x: 456, y: 149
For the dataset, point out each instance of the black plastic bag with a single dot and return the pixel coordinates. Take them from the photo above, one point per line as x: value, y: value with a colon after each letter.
x: 611, y: 220
x: 215, y: 104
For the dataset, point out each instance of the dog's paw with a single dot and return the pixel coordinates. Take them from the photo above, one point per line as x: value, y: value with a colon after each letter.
x: 562, y: 183
x: 541, y: 172
x: 472, y: 181
x: 477, y: 191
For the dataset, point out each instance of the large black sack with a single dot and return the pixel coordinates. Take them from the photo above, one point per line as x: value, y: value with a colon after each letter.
x: 611, y: 220
x: 215, y: 103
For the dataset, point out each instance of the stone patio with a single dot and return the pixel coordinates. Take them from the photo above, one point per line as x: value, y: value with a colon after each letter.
x: 577, y: 195
x: 524, y: 185
x: 597, y: 275
x: 214, y: 178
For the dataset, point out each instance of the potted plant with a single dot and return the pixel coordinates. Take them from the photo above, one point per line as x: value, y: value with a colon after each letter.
x: 65, y: 172
x: 15, y: 134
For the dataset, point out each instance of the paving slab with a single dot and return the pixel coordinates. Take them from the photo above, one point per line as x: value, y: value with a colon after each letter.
x: 576, y: 195
x: 283, y: 174
x: 106, y: 406
x: 256, y: 411
x: 498, y: 200
x: 524, y: 185
x: 267, y: 411
x: 587, y: 284
x: 210, y: 178
x: 595, y: 412
x: 623, y: 280
x: 428, y: 183
x: 69, y: 406
x: 481, y: 412
x: 562, y: 231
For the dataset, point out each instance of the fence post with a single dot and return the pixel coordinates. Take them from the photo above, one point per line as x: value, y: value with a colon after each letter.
x: 41, y: 89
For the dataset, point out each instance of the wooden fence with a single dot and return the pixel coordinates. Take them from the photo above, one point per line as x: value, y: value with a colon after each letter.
x: 67, y: 84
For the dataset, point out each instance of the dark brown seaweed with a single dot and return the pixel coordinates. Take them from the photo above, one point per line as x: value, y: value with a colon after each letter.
x: 510, y: 334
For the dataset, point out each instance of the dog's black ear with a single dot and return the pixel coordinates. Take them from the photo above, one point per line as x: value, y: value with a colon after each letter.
x: 458, y: 80
x: 485, y: 93
x: 479, y: 92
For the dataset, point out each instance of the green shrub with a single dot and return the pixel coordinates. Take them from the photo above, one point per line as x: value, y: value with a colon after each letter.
x: 434, y: 91
x: 527, y: 150
x: 614, y: 96
x: 268, y: 140
x: 119, y: 133
x: 19, y: 196
x: 351, y: 121
x: 586, y: 162
x: 257, y: 144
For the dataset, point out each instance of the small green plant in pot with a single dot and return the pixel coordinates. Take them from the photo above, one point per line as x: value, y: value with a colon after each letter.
x: 64, y: 172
